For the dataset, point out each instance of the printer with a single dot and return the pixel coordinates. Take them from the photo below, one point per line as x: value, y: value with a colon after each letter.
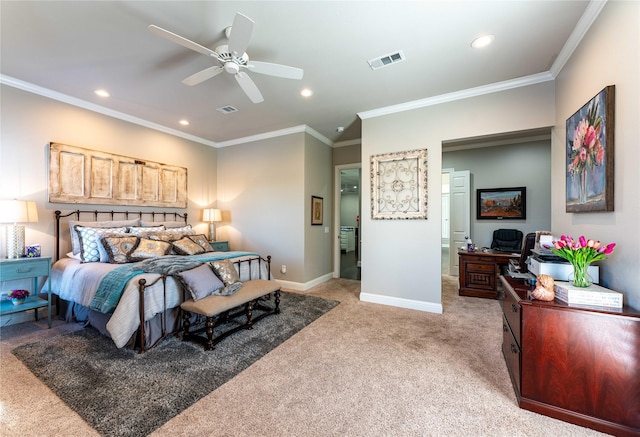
x: 545, y: 262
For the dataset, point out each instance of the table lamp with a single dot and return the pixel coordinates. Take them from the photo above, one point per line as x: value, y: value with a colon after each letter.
x: 15, y: 212
x: 211, y: 215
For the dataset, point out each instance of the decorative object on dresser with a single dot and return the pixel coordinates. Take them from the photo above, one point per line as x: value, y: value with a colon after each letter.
x: 580, y: 365
x: 581, y: 254
x: 17, y: 212
x: 589, y: 139
x: 399, y: 185
x: 478, y: 272
x: 544, y: 288
x: 211, y: 216
x: 26, y: 268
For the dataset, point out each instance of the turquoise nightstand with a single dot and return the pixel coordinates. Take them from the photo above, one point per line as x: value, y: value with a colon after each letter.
x: 220, y: 246
x: 26, y: 268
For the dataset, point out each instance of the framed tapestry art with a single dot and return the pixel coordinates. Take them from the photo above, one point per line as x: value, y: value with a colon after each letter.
x: 589, y: 151
x: 399, y: 185
x: 501, y: 203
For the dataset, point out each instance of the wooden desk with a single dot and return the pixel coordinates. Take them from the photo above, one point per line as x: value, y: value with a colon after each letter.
x: 479, y: 272
x: 576, y: 364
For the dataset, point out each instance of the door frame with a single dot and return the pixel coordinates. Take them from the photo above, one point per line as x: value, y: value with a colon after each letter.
x: 336, y: 213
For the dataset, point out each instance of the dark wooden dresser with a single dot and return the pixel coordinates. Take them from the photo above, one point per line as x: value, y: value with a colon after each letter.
x: 574, y: 364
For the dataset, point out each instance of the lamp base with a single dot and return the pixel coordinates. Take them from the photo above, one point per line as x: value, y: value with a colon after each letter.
x: 212, y: 232
x: 15, y: 241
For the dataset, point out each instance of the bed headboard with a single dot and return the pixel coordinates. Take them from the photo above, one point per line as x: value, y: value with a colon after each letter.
x: 94, y: 215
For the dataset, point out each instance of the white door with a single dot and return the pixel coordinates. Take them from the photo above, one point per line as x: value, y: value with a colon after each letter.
x: 459, y: 215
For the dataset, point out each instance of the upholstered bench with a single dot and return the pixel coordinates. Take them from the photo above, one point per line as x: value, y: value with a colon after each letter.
x: 220, y: 308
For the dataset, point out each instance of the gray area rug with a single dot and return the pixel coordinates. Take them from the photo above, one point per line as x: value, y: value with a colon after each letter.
x: 122, y: 393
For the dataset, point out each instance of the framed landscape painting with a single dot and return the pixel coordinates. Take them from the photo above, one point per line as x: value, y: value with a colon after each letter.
x: 589, y: 151
x: 501, y: 203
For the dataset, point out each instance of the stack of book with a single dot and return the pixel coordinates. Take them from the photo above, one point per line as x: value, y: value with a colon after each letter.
x: 594, y: 295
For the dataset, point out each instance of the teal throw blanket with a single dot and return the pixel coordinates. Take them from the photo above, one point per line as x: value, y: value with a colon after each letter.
x: 113, y: 283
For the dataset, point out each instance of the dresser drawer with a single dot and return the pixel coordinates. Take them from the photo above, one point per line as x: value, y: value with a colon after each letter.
x: 481, y: 267
x: 23, y: 268
x: 513, y: 314
x: 511, y: 352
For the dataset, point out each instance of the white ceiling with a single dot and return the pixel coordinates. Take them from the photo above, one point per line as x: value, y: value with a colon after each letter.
x: 75, y: 47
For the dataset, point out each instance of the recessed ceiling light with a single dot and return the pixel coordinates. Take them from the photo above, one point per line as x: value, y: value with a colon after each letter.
x: 482, y: 41
x: 184, y: 122
x: 306, y: 92
x: 102, y: 93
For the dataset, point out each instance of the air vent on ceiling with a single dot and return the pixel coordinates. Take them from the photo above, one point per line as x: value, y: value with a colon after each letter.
x: 383, y: 61
x: 227, y: 109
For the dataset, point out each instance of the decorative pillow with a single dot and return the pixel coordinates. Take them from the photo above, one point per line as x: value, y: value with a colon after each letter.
x: 168, y: 235
x: 228, y: 274
x: 202, y: 241
x: 143, y: 230
x: 91, y: 248
x: 147, y: 248
x: 168, y: 225
x: 200, y: 282
x: 186, y: 246
x: 118, y: 248
x: 180, y: 229
x: 75, y: 240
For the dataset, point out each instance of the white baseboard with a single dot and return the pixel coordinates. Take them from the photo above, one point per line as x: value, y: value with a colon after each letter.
x: 400, y: 302
x: 299, y: 286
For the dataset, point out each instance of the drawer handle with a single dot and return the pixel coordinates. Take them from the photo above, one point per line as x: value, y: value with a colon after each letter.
x: 514, y: 349
x: 514, y: 308
x: 23, y: 270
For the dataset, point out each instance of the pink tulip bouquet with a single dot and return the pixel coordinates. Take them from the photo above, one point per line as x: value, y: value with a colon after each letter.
x: 580, y: 254
x: 18, y: 294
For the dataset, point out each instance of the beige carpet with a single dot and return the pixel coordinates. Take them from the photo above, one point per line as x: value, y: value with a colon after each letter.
x: 360, y: 370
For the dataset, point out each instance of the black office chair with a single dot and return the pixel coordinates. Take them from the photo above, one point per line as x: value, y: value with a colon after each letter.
x: 507, y: 240
x: 529, y: 243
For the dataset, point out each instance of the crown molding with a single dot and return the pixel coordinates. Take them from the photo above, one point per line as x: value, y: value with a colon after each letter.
x: 459, y: 95
x: 35, y: 89
x: 345, y: 143
x: 303, y: 128
x: 582, y: 27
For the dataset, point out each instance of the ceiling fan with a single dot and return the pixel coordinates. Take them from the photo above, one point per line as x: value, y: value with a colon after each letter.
x: 232, y: 58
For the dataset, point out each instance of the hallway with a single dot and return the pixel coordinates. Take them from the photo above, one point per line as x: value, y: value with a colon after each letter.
x: 349, y: 265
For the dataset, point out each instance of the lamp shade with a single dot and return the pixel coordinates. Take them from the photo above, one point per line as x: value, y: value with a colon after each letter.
x: 211, y: 215
x: 18, y: 211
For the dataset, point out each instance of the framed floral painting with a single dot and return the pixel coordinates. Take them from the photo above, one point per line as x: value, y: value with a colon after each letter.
x: 589, y: 151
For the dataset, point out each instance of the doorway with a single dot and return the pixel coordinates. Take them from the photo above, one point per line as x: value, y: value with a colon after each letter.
x: 347, y: 262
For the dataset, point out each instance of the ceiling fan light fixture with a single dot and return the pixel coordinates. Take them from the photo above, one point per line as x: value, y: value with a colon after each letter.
x: 482, y: 41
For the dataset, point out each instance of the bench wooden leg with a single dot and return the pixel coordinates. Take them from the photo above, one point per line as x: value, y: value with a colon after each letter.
x: 186, y: 323
x: 277, y: 308
x: 209, y: 329
x: 249, y: 312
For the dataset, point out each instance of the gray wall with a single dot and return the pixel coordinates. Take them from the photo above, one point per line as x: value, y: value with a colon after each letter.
x: 29, y: 122
x: 517, y: 165
x: 402, y: 259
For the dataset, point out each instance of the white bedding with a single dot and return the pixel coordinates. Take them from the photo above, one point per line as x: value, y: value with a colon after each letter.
x: 78, y: 282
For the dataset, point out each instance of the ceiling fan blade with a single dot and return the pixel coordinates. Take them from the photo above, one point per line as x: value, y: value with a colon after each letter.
x: 182, y: 41
x: 275, y: 70
x: 203, y: 75
x: 249, y: 87
x: 241, y: 31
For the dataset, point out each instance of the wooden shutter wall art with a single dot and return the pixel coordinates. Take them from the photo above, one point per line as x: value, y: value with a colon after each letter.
x: 78, y: 175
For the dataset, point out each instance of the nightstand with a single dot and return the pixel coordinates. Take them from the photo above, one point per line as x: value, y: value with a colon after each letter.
x: 27, y: 268
x: 220, y: 246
